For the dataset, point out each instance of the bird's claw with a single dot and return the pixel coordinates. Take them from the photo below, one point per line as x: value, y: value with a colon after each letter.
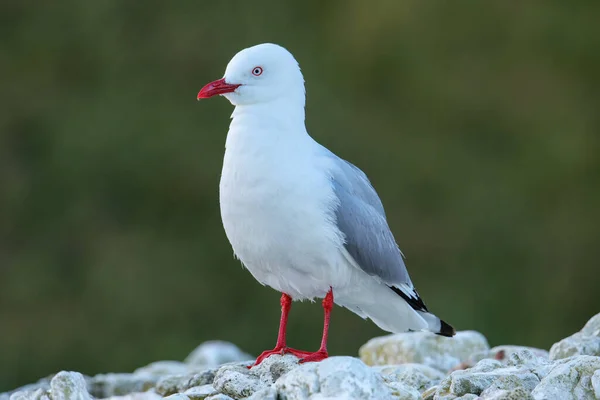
x: 304, y: 356
x: 315, y: 357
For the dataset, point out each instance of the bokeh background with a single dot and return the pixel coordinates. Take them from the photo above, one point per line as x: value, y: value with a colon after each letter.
x: 478, y: 123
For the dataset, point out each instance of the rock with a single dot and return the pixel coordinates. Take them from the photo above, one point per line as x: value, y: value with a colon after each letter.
x: 200, y: 392
x: 468, y: 397
x: 584, y: 342
x: 170, y: 384
x: 43, y: 384
x: 273, y: 368
x: 592, y: 327
x: 482, y: 376
x: 568, y: 379
x: 162, y: 368
x: 429, y: 394
x: 596, y: 383
x: 221, y: 396
x: 269, y: 393
x: 436, y: 351
x: 38, y: 394
x: 507, y: 388
x: 236, y: 380
x: 335, y: 378
x: 518, y: 393
x: 177, y: 396
x: 69, y: 386
x: 178, y: 383
x: 402, y: 391
x: 504, y: 352
x: 149, y: 395
x: 108, y: 385
x: 215, y: 353
x: 416, y: 376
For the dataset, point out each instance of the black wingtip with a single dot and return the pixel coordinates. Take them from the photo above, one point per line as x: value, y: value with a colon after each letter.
x: 413, y: 300
x: 446, y: 329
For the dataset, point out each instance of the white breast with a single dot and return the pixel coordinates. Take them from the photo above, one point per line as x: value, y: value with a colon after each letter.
x: 277, y: 206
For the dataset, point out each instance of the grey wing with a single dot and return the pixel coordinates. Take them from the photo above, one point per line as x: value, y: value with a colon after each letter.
x: 368, y: 239
x: 361, y: 218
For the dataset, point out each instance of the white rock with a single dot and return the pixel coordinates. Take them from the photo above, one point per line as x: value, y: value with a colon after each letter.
x: 592, y: 327
x: 108, y: 385
x: 221, y: 396
x: 161, y: 368
x: 429, y: 394
x: 274, y: 367
x: 178, y: 383
x: 31, y: 388
x: 402, y: 391
x: 524, y: 358
x: 507, y: 388
x: 149, y: 395
x: 236, y: 381
x: 518, y: 393
x: 215, y: 353
x: 38, y: 394
x: 482, y: 376
x: 584, y: 342
x: 269, y: 393
x: 416, y: 376
x: 200, y: 392
x: 69, y: 386
x: 177, y: 396
x: 504, y: 352
x: 436, y: 351
x: 569, y: 379
x: 596, y: 383
x: 333, y: 378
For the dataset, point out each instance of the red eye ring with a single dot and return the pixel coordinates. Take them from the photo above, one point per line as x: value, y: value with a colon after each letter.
x: 256, y: 71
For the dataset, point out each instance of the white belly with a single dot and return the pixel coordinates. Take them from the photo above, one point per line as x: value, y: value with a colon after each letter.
x: 279, y: 220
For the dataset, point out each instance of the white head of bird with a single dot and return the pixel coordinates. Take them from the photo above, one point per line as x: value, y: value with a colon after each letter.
x: 260, y: 75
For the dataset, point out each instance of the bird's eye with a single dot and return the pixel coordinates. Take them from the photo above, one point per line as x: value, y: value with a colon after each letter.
x: 257, y: 71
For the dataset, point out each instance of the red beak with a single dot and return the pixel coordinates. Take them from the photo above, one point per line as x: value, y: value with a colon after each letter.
x: 215, y: 88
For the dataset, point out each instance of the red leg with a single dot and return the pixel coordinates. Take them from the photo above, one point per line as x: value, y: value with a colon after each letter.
x: 286, y: 305
x: 321, y: 354
x: 280, y: 346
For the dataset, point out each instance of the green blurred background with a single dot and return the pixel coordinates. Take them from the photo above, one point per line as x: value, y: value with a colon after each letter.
x: 477, y: 122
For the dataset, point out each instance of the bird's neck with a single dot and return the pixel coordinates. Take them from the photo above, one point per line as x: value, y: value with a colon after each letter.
x: 280, y: 113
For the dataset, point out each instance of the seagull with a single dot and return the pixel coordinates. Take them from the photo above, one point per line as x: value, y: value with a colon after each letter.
x: 301, y: 219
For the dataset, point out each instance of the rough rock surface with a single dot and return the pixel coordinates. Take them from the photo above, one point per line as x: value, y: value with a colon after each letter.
x: 108, y: 385
x: 503, y: 353
x: 570, y: 378
x: 482, y: 376
x: 436, y: 351
x: 596, y: 383
x: 409, y: 366
x: 336, y: 377
x: 417, y: 376
x: 584, y: 342
x: 63, y: 386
